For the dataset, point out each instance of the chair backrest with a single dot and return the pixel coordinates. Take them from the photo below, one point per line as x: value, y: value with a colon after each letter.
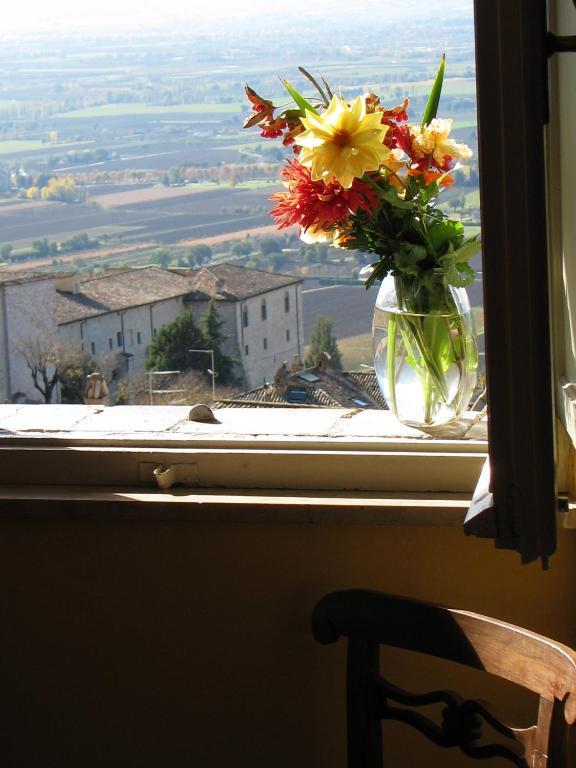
x: 370, y: 619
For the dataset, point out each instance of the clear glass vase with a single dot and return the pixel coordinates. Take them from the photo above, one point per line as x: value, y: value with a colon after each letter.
x: 425, y: 351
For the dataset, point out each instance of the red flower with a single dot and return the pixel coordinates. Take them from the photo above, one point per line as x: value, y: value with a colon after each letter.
x: 397, y: 114
x: 262, y: 109
x: 397, y: 134
x: 272, y: 129
x: 317, y: 204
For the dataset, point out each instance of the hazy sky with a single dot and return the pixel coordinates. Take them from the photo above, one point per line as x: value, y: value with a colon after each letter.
x: 33, y: 15
x: 39, y: 15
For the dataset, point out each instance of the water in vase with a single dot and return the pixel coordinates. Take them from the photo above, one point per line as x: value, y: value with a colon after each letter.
x: 426, y: 364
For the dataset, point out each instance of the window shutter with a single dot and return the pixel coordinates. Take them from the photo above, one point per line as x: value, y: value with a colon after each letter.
x: 512, y: 106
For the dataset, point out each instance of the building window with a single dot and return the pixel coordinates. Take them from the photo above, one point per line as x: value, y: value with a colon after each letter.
x: 246, y: 349
x: 263, y: 311
x: 153, y: 332
x: 265, y: 342
x: 131, y: 332
x: 119, y: 338
x: 93, y: 347
x: 138, y: 337
x: 286, y: 302
x: 110, y: 344
x: 245, y: 317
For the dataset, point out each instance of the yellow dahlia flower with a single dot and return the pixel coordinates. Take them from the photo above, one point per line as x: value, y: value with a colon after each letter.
x: 395, y: 168
x: 342, y: 143
x: 433, y: 141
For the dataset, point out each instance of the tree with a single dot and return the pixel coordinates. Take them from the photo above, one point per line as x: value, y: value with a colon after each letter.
x: 42, y: 248
x: 41, y: 357
x: 242, y: 248
x: 211, y: 327
x: 322, y: 339
x: 6, y: 251
x: 73, y: 368
x: 269, y: 245
x: 51, y: 364
x: 169, y: 348
x: 199, y: 254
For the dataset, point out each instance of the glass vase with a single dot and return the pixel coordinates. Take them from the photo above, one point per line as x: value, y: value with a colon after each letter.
x: 425, y: 351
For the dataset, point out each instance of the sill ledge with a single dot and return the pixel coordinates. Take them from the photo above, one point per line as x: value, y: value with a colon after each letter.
x: 246, y: 506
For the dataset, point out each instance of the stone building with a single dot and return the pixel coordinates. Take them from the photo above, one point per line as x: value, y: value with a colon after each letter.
x: 27, y: 319
x: 262, y: 314
x: 114, y: 316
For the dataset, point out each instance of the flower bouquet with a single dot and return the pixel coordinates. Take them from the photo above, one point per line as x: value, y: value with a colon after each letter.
x: 363, y: 177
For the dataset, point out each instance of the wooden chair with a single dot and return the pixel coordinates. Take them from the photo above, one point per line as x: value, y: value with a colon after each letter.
x: 370, y: 619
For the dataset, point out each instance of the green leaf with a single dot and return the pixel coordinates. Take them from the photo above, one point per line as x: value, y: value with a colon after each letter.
x: 408, y: 258
x: 434, y: 99
x: 298, y: 98
x: 467, y: 250
x: 459, y: 274
x: 392, y: 198
x: 445, y: 231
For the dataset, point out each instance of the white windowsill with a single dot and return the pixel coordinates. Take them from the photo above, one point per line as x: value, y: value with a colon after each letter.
x: 253, y: 464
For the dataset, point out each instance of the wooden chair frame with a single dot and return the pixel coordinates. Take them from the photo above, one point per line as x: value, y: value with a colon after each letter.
x: 370, y: 619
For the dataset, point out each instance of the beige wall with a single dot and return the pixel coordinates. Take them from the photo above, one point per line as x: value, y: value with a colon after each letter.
x: 29, y: 314
x: 177, y: 644
x: 261, y: 364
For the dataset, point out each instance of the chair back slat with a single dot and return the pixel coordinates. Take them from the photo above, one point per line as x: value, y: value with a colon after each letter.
x: 370, y: 619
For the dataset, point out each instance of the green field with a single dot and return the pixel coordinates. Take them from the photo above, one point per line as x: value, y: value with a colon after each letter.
x: 24, y: 145
x: 356, y: 351
x: 118, y: 110
x: 473, y: 199
x: 471, y: 123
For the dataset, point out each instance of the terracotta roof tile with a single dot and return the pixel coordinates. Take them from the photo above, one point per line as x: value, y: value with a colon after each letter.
x: 229, y: 282
x: 118, y: 290
x: 333, y: 389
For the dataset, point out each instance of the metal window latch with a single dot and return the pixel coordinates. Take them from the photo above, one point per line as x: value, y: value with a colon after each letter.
x: 560, y: 44
x: 563, y: 502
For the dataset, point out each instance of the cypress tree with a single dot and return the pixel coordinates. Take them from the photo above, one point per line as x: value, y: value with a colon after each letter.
x: 214, y: 338
x: 322, y: 339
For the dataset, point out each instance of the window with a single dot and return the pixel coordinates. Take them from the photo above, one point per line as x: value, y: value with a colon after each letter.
x: 131, y: 336
x: 93, y: 347
x: 263, y: 311
x: 288, y: 334
x: 119, y: 338
x: 138, y: 337
x: 246, y: 350
x: 265, y: 343
x: 110, y: 344
x: 514, y: 21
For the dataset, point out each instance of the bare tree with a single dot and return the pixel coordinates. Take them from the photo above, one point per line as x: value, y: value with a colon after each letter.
x: 41, y: 357
x: 51, y: 364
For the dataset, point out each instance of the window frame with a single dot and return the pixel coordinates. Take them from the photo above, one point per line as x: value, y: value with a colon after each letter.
x: 510, y: 408
x: 512, y: 94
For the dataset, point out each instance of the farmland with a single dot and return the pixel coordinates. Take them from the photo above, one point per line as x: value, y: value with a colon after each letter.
x: 148, y: 129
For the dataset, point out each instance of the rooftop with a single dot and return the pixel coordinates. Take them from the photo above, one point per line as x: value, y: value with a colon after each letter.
x: 15, y: 276
x: 229, y: 282
x: 319, y: 387
x: 116, y: 290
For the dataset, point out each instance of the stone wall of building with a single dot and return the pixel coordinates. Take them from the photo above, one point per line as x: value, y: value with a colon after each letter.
x: 27, y: 323
x: 271, y: 334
